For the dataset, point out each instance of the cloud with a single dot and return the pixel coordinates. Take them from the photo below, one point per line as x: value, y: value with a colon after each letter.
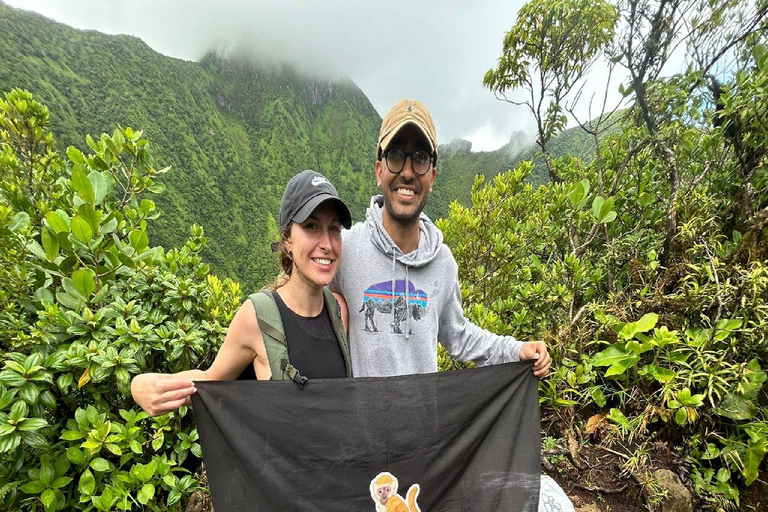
x: 435, y: 51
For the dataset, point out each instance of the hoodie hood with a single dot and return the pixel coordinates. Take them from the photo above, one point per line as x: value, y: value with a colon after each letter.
x: 430, y: 238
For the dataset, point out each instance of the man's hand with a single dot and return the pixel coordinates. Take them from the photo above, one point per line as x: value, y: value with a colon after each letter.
x: 536, y: 350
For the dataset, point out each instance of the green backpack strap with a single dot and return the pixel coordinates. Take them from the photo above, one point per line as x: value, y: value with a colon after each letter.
x: 334, y: 312
x: 273, y: 334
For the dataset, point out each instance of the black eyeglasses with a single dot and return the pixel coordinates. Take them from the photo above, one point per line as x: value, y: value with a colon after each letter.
x: 421, y: 160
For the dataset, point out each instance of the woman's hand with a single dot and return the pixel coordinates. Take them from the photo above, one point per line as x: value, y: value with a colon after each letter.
x: 160, y: 394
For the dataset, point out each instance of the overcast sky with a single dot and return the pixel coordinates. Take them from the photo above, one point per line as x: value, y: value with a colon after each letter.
x: 435, y: 51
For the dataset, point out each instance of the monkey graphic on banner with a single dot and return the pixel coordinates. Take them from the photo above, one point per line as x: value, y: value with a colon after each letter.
x: 384, y: 494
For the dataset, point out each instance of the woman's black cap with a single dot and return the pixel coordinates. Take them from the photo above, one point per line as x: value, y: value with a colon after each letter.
x: 304, y: 193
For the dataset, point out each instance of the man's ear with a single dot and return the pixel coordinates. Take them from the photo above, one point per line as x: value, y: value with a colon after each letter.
x: 378, y: 167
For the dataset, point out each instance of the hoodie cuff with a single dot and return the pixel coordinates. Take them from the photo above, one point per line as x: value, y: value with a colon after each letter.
x: 513, y: 349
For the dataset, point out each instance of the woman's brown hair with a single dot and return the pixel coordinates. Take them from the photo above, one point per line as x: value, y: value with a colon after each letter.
x: 286, y: 262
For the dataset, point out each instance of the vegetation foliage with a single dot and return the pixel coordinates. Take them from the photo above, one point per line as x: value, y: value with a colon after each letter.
x: 645, y: 268
x: 87, y: 304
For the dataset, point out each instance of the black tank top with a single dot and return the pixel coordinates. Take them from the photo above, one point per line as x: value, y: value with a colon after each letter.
x: 312, y: 345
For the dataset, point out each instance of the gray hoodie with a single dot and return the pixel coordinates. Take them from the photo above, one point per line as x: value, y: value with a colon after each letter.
x: 400, y: 305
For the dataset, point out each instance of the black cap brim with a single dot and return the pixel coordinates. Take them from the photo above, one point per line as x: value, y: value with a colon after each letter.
x: 306, y: 210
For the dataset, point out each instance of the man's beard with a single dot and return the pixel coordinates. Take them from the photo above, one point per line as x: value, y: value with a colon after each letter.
x: 403, y: 219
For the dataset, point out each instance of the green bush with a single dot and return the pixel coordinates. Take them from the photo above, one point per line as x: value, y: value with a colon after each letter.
x: 90, y: 303
x: 663, y: 331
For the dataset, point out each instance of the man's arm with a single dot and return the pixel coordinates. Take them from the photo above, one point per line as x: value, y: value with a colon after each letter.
x: 466, y: 341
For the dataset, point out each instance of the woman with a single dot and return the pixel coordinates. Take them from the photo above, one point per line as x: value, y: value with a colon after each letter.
x: 300, y: 308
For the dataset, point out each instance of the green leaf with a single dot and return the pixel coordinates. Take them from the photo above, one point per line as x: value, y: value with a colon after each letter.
x: 33, y: 487
x: 662, y: 375
x: 61, y: 482
x: 10, y: 442
x: 58, y: 221
x: 75, y: 155
x: 645, y: 324
x: 82, y: 229
x: 82, y: 185
x: 146, y: 493
x: 87, y: 483
x: 139, y: 240
x: 135, y: 446
x: 65, y: 381
x: 619, y: 367
x: 711, y: 452
x: 606, y: 208
x: 100, y: 465
x: 32, y: 424
x: 48, y: 497
x: 20, y: 220
x: 47, y: 474
x: 577, y: 194
x: 173, y: 497
x: 752, y: 460
x: 112, y: 447
x: 597, y: 205
x: 93, y: 217
x: 100, y: 186
x: 19, y: 410
x: 33, y: 438
x: 736, y: 407
x: 35, y: 249
x: 618, y: 417
x: 614, y: 356
x: 72, y: 435
x: 83, y: 280
x: 157, y: 188
x: 681, y: 416
x: 76, y: 455
x: 50, y: 244
x: 69, y: 301
x: 69, y: 286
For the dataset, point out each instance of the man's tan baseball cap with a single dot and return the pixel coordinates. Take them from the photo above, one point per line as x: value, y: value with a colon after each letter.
x: 402, y: 113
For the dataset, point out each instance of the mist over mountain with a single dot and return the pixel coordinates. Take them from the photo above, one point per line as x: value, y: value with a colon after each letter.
x: 234, y: 127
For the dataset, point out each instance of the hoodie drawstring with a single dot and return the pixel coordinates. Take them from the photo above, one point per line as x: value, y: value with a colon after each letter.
x: 392, y: 313
x: 407, y: 303
x: 407, y: 295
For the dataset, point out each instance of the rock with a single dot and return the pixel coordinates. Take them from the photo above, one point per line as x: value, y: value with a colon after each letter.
x: 678, y: 498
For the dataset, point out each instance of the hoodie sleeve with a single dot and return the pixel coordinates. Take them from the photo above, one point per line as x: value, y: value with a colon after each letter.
x: 466, y: 341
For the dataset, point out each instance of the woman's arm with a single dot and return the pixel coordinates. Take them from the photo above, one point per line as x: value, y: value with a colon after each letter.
x: 159, y: 393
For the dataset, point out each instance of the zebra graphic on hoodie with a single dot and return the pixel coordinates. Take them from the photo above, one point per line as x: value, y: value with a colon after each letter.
x: 397, y: 302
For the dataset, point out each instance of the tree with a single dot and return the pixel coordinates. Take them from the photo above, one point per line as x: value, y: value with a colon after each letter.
x: 548, y: 52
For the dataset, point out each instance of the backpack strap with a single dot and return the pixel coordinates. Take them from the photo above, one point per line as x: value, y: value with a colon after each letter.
x: 273, y: 333
x: 334, y: 312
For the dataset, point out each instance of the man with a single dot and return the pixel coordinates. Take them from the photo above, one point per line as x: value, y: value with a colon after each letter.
x: 399, y: 280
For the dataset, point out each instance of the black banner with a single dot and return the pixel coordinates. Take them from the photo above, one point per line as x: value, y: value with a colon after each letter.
x: 461, y: 441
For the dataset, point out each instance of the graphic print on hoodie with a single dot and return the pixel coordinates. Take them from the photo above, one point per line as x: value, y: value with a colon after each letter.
x: 383, y: 339
x: 396, y: 299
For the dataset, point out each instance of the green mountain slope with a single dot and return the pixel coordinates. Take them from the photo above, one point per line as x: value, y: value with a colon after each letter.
x: 458, y: 165
x: 233, y: 131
